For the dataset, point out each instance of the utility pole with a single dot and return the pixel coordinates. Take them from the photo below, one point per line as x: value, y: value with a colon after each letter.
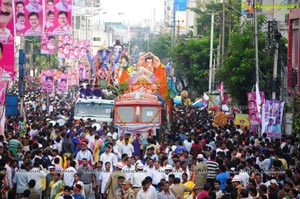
x: 178, y: 26
x: 211, y: 51
x: 223, y: 32
x: 256, y: 46
x: 276, y: 39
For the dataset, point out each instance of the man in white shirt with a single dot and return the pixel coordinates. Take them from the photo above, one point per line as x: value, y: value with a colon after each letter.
x: 108, y: 156
x: 34, y: 6
x: 37, y: 174
x: 69, y: 174
x: 127, y: 148
x: 21, y: 179
x: 157, y: 173
x: 145, y: 193
x: 63, y: 6
x: 138, y: 178
x: 84, y: 153
x: 63, y: 27
x: 128, y: 169
x: 20, y: 25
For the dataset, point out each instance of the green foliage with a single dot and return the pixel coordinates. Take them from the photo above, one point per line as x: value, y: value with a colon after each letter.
x: 160, y: 46
x: 40, y: 61
x: 295, y: 106
x: 191, y: 59
x: 238, y: 69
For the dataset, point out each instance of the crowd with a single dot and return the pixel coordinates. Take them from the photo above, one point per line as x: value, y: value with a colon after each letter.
x: 194, y: 159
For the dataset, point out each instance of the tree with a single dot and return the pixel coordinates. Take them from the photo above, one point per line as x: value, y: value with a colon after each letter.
x: 238, y: 69
x: 191, y: 59
x: 40, y: 61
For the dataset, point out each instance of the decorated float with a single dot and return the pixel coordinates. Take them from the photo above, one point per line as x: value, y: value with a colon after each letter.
x: 141, y: 106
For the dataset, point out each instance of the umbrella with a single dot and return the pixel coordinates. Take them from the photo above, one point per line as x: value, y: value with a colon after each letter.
x: 177, y: 100
x: 198, y: 103
x: 61, y: 122
x: 97, y: 126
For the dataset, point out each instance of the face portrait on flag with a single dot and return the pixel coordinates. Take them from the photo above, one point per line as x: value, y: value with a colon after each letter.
x: 59, y: 17
x: 73, y: 77
x: 81, y: 71
x: 48, y: 81
x: 62, y: 84
x: 2, y: 91
x: 29, y: 17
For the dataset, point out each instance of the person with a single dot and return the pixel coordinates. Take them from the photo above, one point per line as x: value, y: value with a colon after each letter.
x: 69, y: 173
x: 5, y: 17
x: 269, y: 127
x: 254, y: 119
x: 20, y: 25
x: 34, y: 6
x: 277, y: 125
x: 56, y: 186
x: 50, y: 6
x: 51, y: 43
x: 77, y: 194
x: 249, y: 8
x: 63, y: 26
x: 125, y: 192
x: 48, y: 83
x: 63, y: 86
x: 73, y: 79
x: 50, y: 21
x: 112, y: 181
x: 84, y: 155
x: 145, y: 192
x: 67, y: 192
x: 34, y: 21
x: 166, y: 193
x: 103, y: 178
x: 87, y: 176
x: 63, y: 5
x: 19, y: 7
x: 205, y: 192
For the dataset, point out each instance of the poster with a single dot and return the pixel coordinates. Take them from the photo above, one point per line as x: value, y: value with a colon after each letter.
x: 62, y: 83
x: 48, y: 81
x: 73, y: 49
x: 58, y: 15
x: 242, y: 120
x: 73, y: 79
x: 272, y: 114
x: 3, y: 85
x: 7, y: 41
x: 29, y: 17
x: 48, y: 44
x: 254, y: 113
x: 2, y: 120
x: 81, y: 71
x: 146, y: 131
x: 247, y: 9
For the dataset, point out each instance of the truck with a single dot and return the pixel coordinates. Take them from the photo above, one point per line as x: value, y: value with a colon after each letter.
x: 97, y: 109
x: 141, y: 108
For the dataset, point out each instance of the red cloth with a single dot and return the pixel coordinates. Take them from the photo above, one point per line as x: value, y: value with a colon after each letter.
x: 202, y: 194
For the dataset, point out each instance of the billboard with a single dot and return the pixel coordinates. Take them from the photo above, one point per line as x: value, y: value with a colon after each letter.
x: 254, y: 113
x: 272, y: 114
x: 7, y: 41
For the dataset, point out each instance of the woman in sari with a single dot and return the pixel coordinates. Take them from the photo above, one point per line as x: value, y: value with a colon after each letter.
x: 189, y: 184
x: 56, y: 186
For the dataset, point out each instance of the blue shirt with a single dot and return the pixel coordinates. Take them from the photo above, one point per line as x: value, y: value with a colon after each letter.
x: 222, y: 177
x: 78, y: 196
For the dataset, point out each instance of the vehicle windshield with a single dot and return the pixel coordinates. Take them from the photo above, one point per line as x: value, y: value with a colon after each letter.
x: 93, y: 109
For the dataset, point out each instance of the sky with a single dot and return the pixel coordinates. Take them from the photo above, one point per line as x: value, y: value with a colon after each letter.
x: 132, y: 11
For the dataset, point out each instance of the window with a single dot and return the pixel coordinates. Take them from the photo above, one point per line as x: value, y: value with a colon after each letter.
x: 126, y: 114
x: 149, y: 114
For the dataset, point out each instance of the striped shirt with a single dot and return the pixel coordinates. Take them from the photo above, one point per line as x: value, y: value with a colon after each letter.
x: 212, y: 169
